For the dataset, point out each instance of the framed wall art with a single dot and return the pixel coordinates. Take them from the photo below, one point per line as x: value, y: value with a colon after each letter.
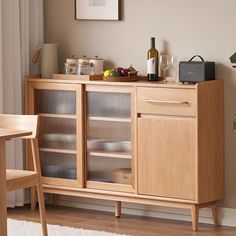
x: 97, y: 9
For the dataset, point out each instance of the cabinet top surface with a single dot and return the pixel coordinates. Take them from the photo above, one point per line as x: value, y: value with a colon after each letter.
x: 157, y: 84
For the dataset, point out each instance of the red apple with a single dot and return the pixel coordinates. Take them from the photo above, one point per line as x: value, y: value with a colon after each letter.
x: 125, y: 72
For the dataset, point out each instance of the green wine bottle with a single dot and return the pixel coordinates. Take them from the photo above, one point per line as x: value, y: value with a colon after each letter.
x: 152, y: 62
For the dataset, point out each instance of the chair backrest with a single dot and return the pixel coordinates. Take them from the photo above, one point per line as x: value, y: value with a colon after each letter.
x: 21, y: 122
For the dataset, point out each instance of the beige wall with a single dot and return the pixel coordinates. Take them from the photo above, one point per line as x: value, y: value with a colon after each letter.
x: 183, y: 28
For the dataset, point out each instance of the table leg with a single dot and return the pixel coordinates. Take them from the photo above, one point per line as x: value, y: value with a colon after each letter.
x: 3, y: 190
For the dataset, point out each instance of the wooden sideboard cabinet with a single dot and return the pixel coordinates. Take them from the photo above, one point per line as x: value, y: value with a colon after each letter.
x: 150, y: 143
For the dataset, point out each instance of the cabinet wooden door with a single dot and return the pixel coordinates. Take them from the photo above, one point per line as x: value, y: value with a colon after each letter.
x: 59, y: 107
x: 167, y: 161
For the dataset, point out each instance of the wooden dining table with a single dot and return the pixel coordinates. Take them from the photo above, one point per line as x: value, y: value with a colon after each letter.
x: 5, y: 135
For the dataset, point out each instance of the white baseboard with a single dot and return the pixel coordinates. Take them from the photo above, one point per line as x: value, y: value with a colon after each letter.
x: 227, y: 215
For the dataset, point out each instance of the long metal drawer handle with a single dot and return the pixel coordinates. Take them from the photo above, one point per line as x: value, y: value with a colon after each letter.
x: 167, y: 102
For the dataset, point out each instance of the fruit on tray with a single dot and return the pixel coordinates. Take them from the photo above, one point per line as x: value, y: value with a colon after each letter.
x: 125, y: 72
x: 107, y: 73
x: 120, y: 71
x: 114, y: 73
x: 132, y: 71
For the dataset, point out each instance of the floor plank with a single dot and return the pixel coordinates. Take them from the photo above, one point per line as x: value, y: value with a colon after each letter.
x: 130, y: 225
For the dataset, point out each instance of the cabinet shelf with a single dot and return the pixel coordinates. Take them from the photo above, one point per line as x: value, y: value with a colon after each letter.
x: 97, y: 153
x: 92, y: 184
x: 112, y: 119
x: 62, y: 116
x: 56, y: 150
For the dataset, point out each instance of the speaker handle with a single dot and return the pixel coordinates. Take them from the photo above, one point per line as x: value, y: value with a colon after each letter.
x: 197, y: 56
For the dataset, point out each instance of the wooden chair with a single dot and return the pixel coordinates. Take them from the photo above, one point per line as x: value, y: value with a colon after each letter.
x: 18, y: 179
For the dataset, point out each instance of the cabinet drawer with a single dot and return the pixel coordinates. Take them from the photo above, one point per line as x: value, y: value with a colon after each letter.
x: 167, y: 101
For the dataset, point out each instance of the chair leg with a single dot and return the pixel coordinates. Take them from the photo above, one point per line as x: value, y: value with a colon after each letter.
x: 42, y: 209
x: 3, y: 189
x: 195, y: 216
x: 118, y: 209
x: 215, y: 213
x: 33, y: 197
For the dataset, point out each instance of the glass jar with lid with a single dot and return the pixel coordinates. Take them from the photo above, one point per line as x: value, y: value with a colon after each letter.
x: 71, y: 66
x: 84, y: 66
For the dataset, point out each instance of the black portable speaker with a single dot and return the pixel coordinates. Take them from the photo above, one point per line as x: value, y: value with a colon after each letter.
x: 196, y: 71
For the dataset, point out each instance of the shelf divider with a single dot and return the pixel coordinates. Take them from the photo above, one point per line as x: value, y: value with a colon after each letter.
x: 121, y: 155
x: 56, y: 150
x: 113, y: 119
x: 62, y: 116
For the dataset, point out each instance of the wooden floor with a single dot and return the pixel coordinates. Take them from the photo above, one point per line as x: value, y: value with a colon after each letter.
x: 131, y: 225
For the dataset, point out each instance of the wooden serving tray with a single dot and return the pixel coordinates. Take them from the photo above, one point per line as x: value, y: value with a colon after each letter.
x: 124, y: 78
x: 77, y: 77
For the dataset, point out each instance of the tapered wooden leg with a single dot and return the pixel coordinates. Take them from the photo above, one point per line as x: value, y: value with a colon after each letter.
x: 33, y: 198
x: 215, y: 213
x: 195, y: 216
x: 42, y: 209
x: 3, y: 191
x: 118, y: 209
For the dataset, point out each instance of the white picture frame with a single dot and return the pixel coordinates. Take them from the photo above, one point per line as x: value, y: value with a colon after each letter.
x: 97, y: 9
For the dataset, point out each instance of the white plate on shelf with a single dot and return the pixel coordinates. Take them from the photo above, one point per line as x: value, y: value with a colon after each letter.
x: 109, y: 145
x: 125, y: 146
x: 65, y: 108
x: 117, y: 146
x: 59, y: 137
x: 95, y: 144
x: 52, y: 171
x: 112, y: 146
x: 69, y: 173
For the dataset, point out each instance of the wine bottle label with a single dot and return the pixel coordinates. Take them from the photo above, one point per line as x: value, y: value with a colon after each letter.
x: 151, y: 65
